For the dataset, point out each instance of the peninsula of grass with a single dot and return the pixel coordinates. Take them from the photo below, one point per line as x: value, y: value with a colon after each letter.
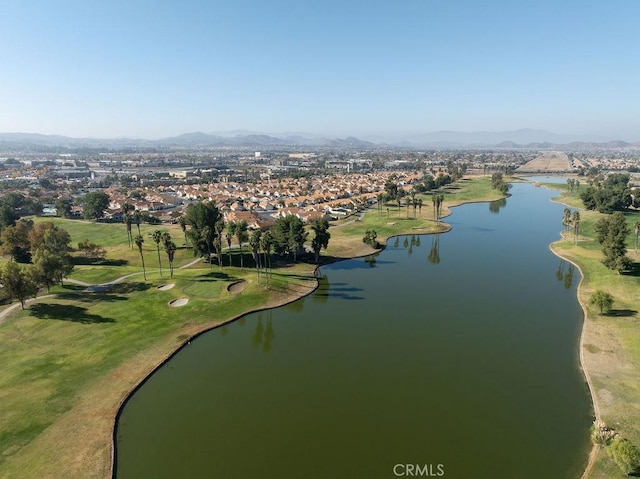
x: 611, y: 341
x: 71, y: 358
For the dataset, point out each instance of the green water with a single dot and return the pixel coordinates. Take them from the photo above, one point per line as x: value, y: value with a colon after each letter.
x: 457, y: 353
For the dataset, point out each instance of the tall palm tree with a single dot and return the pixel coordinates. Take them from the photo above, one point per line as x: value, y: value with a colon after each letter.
x: 420, y: 207
x: 566, y: 219
x: 242, y: 236
x: 254, y: 244
x: 182, y: 221
x: 127, y: 222
x: 139, y: 240
x: 398, y: 201
x: 231, y: 232
x: 408, y: 203
x: 576, y: 225
x: 170, y: 249
x: 138, y: 217
x: 266, y: 243
x: 157, y: 237
x: 636, y: 230
x: 219, y: 228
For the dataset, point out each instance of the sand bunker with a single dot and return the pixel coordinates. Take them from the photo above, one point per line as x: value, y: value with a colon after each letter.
x: 236, y: 287
x: 165, y: 287
x: 176, y: 303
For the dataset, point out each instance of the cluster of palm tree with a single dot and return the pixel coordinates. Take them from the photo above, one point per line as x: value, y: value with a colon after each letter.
x: 573, y: 184
x: 571, y: 220
x: 437, y: 206
x: 169, y: 247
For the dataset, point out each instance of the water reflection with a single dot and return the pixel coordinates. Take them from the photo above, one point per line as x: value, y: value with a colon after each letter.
x: 264, y: 336
x: 371, y: 260
x: 568, y: 277
x: 495, y: 206
x: 434, y: 252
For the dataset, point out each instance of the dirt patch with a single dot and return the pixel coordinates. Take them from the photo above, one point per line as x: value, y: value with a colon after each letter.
x: 165, y: 287
x: 176, y: 303
x: 236, y: 287
x: 548, y: 162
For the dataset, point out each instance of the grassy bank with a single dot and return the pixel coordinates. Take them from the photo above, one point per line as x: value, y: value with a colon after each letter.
x: 611, y: 341
x: 69, y: 360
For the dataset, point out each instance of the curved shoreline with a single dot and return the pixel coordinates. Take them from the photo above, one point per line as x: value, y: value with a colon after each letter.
x: 594, y: 402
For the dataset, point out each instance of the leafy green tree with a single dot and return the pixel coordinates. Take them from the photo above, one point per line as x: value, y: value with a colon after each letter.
x: 8, y: 216
x: 15, y: 241
x: 18, y: 282
x: 320, y: 227
x: 50, y: 247
x: 289, y: 235
x: 625, y: 455
x: 371, y: 238
x: 95, y: 204
x: 139, y: 240
x: 63, y: 207
x: 91, y: 249
x: 602, y: 300
x: 200, y: 216
x: 612, y: 233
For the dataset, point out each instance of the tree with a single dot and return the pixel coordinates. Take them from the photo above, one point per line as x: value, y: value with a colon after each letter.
x: 625, y: 455
x: 50, y: 247
x: 289, y: 235
x: 612, y: 233
x: 371, y: 238
x: 18, y: 282
x: 254, y: 244
x: 63, y: 207
x: 8, y: 216
x: 90, y: 249
x: 636, y: 230
x: 602, y: 300
x: 217, y: 242
x: 231, y: 232
x: 157, y: 237
x: 94, y: 205
x: 170, y: 249
x: 200, y: 216
x: 566, y: 219
x: 575, y: 219
x: 242, y: 236
x: 182, y: 222
x: 127, y: 222
x: 15, y: 241
x: 266, y: 244
x: 320, y: 227
x: 139, y: 240
x: 137, y: 217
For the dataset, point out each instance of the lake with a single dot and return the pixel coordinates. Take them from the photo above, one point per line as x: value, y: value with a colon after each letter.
x: 456, y: 354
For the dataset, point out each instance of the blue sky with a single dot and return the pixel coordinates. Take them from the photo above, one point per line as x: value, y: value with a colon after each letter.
x: 150, y: 69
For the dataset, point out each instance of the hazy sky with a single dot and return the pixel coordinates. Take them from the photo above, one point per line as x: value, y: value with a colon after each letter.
x: 157, y: 68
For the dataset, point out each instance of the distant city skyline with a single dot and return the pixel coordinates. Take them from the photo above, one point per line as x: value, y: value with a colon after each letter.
x: 366, y: 69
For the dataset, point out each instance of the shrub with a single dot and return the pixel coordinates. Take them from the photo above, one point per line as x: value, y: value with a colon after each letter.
x: 601, y: 434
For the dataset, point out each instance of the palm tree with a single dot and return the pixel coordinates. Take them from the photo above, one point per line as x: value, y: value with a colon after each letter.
x: 420, y: 207
x: 408, y: 203
x: 566, y: 219
x: 398, y: 200
x: 242, y: 236
x: 254, y: 244
x: 139, y: 240
x: 266, y: 243
x: 219, y: 228
x: 127, y: 222
x: 170, y: 249
x: 157, y: 237
x: 231, y: 232
x: 576, y: 226
x: 636, y: 229
x: 182, y: 221
x: 138, y: 217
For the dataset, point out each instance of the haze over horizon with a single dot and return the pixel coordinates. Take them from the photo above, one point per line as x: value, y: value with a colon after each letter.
x: 365, y: 69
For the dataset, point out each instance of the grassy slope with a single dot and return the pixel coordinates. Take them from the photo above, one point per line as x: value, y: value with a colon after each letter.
x: 611, y: 342
x: 69, y: 360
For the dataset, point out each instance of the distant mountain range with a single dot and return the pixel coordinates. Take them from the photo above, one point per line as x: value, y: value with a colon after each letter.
x: 525, y: 138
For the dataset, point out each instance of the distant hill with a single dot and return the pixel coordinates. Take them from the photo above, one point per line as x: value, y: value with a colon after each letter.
x: 525, y: 138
